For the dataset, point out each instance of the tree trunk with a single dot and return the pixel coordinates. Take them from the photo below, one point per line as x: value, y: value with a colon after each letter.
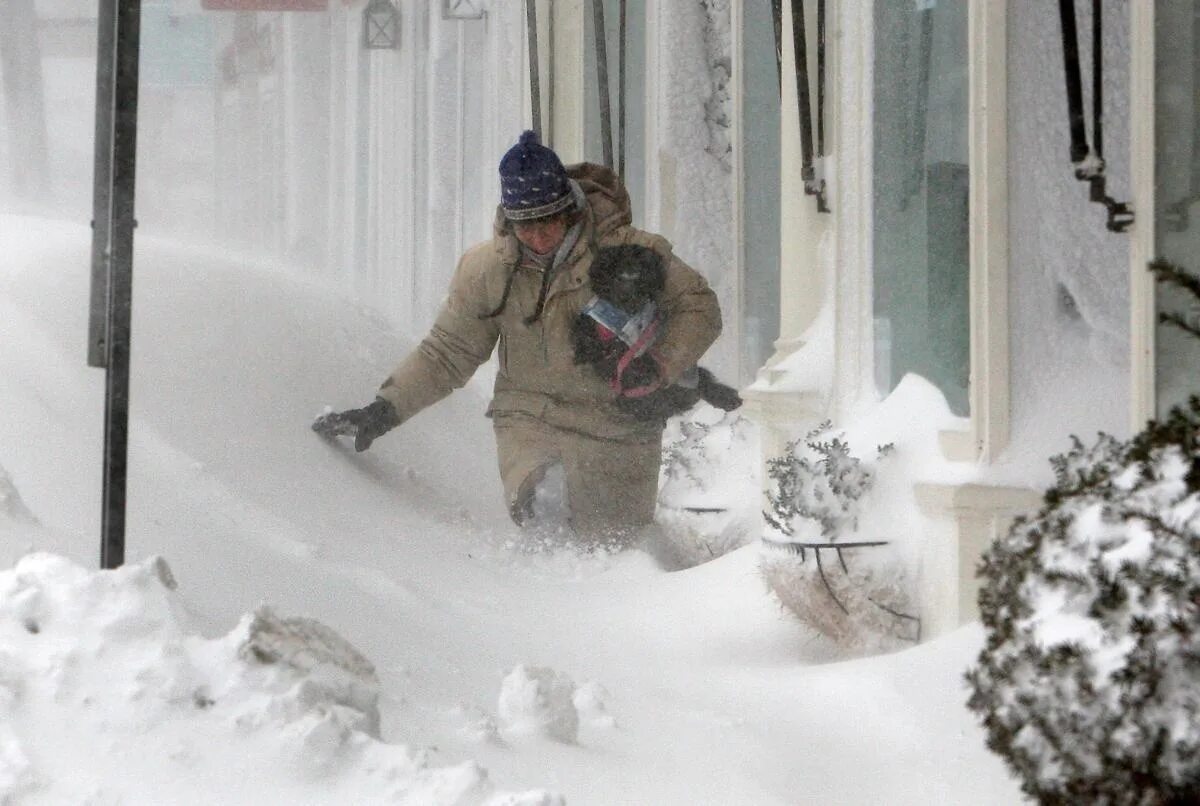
x: 25, y: 114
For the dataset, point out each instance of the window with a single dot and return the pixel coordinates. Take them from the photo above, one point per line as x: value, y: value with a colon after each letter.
x: 921, y: 206
x: 1177, y: 190
x: 758, y: 163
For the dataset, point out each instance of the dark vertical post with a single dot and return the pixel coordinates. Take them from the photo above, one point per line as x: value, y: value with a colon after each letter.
x: 535, y: 84
x: 120, y: 287
x: 1097, y: 79
x: 1066, y: 13
x: 621, y: 35
x: 106, y: 24
x: 820, y: 78
x: 602, y: 81
x: 777, y: 21
x: 800, y: 51
x: 920, y: 118
x: 1194, y: 186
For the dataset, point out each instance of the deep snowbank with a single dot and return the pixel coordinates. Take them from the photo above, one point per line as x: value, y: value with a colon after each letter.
x: 107, y: 696
x: 690, y: 687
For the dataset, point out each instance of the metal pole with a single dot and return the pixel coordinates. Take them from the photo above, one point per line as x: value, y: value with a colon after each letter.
x: 621, y: 34
x: 920, y: 118
x: 820, y: 78
x: 116, y: 400
x: 1097, y: 80
x: 800, y: 51
x: 1066, y: 13
x: 777, y: 21
x: 602, y: 81
x: 106, y: 23
x: 535, y: 89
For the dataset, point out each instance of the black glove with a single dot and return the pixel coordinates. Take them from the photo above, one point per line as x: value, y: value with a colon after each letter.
x: 366, y: 424
x: 373, y: 421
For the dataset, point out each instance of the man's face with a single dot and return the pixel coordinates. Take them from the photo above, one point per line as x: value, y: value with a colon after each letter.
x: 542, y: 235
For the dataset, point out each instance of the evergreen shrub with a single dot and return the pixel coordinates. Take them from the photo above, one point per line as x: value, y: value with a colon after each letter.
x: 1089, y: 682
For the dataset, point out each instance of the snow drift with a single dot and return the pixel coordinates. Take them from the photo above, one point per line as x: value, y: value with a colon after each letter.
x: 106, y: 695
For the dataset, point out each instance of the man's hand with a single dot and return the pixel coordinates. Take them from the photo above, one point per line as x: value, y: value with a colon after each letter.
x: 366, y: 424
x: 372, y: 422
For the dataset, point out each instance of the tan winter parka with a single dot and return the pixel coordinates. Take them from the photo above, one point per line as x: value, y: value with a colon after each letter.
x: 538, y: 377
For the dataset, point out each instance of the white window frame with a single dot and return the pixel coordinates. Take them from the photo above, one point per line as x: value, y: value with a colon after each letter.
x: 738, y: 88
x: 851, y: 188
x: 989, y: 387
x: 1143, y: 308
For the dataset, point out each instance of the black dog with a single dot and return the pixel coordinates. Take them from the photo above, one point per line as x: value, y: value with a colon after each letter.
x: 627, y: 281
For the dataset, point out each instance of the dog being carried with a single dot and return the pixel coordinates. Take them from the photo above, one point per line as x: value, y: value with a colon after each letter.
x: 616, y: 331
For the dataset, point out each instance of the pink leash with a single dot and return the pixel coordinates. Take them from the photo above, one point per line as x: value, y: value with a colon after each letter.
x: 638, y: 348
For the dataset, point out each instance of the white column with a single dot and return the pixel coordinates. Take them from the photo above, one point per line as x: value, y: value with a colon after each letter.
x: 852, y: 190
x: 987, y: 44
x: 733, y: 323
x: 1142, y: 246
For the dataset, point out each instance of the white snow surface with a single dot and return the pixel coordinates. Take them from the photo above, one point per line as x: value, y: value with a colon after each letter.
x: 501, y: 672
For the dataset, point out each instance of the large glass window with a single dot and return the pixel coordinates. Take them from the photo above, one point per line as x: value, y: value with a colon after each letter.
x: 1177, y: 189
x: 760, y: 180
x: 921, y: 205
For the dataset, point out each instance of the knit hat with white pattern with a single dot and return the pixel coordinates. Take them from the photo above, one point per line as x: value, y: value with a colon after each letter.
x: 533, y: 182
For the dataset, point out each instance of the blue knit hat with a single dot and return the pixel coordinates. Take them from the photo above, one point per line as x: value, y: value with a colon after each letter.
x: 533, y: 182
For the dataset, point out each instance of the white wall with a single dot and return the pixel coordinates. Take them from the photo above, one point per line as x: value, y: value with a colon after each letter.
x: 689, y: 176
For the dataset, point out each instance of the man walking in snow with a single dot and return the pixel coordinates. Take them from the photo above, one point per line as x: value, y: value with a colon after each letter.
x: 524, y: 290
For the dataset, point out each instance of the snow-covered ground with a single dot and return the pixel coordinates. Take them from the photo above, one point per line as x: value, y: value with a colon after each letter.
x: 496, y: 673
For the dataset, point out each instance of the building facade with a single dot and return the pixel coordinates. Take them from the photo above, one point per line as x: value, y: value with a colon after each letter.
x: 950, y: 240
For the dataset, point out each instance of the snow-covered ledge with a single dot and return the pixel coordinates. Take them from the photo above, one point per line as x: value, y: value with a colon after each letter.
x: 977, y: 514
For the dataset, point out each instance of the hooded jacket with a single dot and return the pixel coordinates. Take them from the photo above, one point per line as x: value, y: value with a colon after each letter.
x: 538, y: 376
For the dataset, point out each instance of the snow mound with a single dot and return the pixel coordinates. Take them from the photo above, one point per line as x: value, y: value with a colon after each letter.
x: 835, y: 487
x: 591, y: 701
x: 540, y: 701
x: 708, y: 501
x: 107, y: 696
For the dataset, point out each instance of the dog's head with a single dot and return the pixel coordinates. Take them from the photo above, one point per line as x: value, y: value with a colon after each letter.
x: 628, y: 276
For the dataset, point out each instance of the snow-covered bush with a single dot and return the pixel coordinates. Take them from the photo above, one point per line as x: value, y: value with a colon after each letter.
x: 1089, y: 683
x: 854, y: 591
x: 818, y: 480
x: 709, y: 484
